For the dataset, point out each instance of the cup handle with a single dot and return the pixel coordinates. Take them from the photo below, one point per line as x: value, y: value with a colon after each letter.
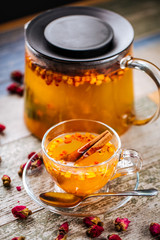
x: 154, y: 72
x: 130, y: 161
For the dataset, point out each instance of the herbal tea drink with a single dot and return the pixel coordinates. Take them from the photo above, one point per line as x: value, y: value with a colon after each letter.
x: 80, y: 96
x: 80, y: 181
x: 81, y: 72
x: 82, y: 161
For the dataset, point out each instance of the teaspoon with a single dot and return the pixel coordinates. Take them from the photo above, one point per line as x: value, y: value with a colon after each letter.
x: 67, y: 200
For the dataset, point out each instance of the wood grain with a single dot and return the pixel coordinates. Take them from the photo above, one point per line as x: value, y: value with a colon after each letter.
x: 17, y: 142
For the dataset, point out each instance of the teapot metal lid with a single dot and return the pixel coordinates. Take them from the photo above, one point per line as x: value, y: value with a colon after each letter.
x: 79, y: 34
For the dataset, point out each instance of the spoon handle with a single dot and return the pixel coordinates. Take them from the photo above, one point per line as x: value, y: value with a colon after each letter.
x: 143, y: 192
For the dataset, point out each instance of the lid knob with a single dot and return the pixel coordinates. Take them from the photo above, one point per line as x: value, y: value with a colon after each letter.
x: 79, y: 36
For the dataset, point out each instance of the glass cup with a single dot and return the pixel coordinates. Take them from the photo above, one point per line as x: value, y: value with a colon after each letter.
x: 84, y: 180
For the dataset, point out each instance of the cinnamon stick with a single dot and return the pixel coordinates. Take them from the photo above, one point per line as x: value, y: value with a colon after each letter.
x: 98, y: 145
x: 90, y: 147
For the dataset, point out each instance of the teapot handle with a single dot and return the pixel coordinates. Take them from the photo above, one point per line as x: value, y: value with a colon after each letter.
x: 154, y: 72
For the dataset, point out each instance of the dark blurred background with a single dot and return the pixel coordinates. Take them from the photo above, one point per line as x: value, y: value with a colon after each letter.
x: 11, y: 10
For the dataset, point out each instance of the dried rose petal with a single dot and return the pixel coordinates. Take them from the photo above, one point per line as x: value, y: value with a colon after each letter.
x: 18, y: 238
x: 114, y: 237
x: 21, y: 212
x: 17, y: 76
x: 154, y: 229
x: 94, y: 231
x: 121, y: 224
x: 2, y: 128
x: 18, y: 188
x: 64, y: 228
x: 89, y: 221
x: 6, y: 180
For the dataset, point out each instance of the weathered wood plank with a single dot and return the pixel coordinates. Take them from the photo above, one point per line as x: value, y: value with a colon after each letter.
x: 11, y: 115
x: 13, y: 155
x: 141, y: 211
x: 17, y: 142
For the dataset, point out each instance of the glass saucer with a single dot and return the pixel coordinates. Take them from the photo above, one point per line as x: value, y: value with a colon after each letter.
x: 37, y: 181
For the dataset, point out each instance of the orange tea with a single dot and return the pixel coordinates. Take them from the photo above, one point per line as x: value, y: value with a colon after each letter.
x: 82, y: 155
x: 84, y: 176
x: 51, y: 97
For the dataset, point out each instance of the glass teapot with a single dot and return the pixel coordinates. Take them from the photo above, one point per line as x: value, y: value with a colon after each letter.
x: 78, y: 64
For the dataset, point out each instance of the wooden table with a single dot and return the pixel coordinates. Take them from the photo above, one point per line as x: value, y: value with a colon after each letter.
x: 17, y: 142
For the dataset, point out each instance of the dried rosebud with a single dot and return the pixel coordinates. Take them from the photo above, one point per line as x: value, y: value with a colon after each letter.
x: 6, y: 180
x: 64, y: 228
x: 18, y: 238
x: 89, y: 221
x: 18, y: 188
x: 2, y: 128
x: 20, y: 172
x: 36, y: 163
x: 61, y: 237
x: 12, y: 87
x: 19, y: 91
x: 31, y: 155
x: 21, y: 212
x: 154, y: 229
x: 121, y: 224
x: 17, y: 76
x: 114, y: 237
x: 94, y: 231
